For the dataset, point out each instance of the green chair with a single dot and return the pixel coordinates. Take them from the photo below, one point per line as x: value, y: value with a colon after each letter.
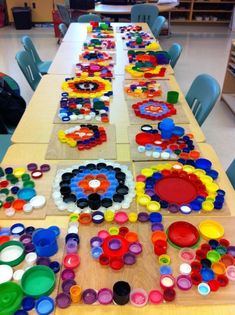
x: 86, y: 18
x: 43, y: 66
x: 231, y: 173
x: 145, y: 13
x: 158, y: 25
x: 202, y: 96
x: 175, y: 52
x: 28, y: 68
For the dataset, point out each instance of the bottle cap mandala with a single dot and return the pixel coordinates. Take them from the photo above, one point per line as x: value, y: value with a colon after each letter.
x: 96, y: 56
x: 143, y: 89
x: 92, y: 186
x: 87, y: 87
x: 92, y: 70
x: 96, y: 43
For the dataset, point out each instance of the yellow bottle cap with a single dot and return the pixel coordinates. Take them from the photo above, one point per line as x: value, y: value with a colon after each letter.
x: 114, y: 230
x: 199, y: 172
x: 207, y: 206
x: 74, y: 217
x: 147, y: 172
x: 143, y: 200
x: 132, y: 216
x: 177, y: 166
x: 109, y: 215
x: 164, y: 260
x: 206, y: 179
x: 18, y: 172
x: 213, y: 187
x: 153, y: 206
x: 139, y: 186
x: 188, y: 168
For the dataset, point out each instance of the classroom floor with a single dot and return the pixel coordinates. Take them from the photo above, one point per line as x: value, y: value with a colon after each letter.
x: 205, y: 50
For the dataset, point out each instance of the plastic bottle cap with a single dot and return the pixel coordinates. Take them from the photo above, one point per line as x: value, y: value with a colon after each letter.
x: 31, y: 258
x: 6, y: 273
x: 184, y: 282
x: 185, y: 269
x: 38, y: 202
x: 63, y: 300
x: 17, y: 229
x: 105, y: 296
x: 187, y: 254
x: 138, y: 297
x: 28, y: 303
x: 18, y: 274
x: 230, y: 272
x: 155, y: 297
x: 114, y: 230
x: 71, y: 261
x: 68, y: 274
x: 203, y: 288
x: 45, y: 305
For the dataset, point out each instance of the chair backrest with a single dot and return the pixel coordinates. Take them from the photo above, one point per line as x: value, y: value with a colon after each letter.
x: 86, y: 18
x: 202, y: 96
x: 63, y: 29
x: 175, y: 52
x: 28, y: 68
x: 158, y: 25
x: 30, y: 48
x: 64, y: 14
x: 145, y: 13
x: 231, y: 173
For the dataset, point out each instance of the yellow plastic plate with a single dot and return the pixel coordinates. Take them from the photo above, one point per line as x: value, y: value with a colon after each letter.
x: 210, y: 229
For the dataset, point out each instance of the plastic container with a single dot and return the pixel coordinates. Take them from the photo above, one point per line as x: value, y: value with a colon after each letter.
x: 167, y: 126
x: 172, y: 97
x: 121, y: 292
x: 45, y: 305
x: 45, y: 242
x: 11, y: 296
x: 138, y: 297
x: 22, y: 18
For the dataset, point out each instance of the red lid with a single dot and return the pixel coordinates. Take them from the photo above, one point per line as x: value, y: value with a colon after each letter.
x: 214, y: 285
x: 155, y: 297
x: 4, y: 239
x: 196, y: 266
x: 71, y: 261
x: 116, y: 263
x: 121, y: 217
x: 223, y: 280
x: 169, y: 295
x: 183, y: 234
x: 115, y: 253
x: 196, y: 277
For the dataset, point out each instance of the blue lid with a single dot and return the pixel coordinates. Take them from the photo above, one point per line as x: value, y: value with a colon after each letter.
x: 55, y: 266
x: 155, y: 217
x: 178, y: 131
x: 26, y: 193
x: 5, y: 231
x: 165, y: 270
x: 45, y: 305
x: 203, y: 164
x: 96, y: 252
x: 213, y: 173
x: 9, y: 170
x: 28, y: 303
x: 207, y: 274
x: 17, y: 229
x: 21, y: 312
x: 55, y: 229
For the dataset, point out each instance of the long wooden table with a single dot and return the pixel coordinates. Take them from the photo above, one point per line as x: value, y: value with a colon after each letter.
x: 31, y: 139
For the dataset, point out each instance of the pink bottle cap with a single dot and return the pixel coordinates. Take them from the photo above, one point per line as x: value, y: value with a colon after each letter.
x: 155, y: 297
x: 105, y: 296
x: 138, y: 297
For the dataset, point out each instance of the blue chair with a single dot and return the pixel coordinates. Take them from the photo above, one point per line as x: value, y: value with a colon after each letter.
x: 28, y: 68
x: 43, y: 66
x: 64, y: 14
x: 63, y: 29
x: 86, y: 18
x: 231, y: 173
x: 158, y: 25
x: 5, y: 142
x: 175, y: 52
x: 202, y: 96
x: 145, y: 13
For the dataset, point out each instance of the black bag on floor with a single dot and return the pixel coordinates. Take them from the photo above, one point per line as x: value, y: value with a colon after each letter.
x: 12, y: 107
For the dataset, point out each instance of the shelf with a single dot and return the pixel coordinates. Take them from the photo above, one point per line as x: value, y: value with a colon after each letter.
x: 229, y: 99
x: 214, y: 11
x: 181, y: 10
x: 217, y: 22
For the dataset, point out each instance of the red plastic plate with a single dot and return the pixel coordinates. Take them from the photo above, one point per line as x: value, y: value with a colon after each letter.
x: 183, y: 234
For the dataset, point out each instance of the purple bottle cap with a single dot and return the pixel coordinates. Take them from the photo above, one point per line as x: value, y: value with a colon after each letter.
x: 135, y: 248
x: 173, y: 208
x: 45, y: 168
x: 96, y: 241
x: 231, y: 251
x: 45, y: 261
x: 89, y: 296
x: 71, y: 246
x: 143, y: 217
x: 129, y: 259
x: 26, y: 239
x: 157, y: 226
x: 184, y: 282
x: 29, y: 248
x: 63, y: 300
x: 114, y: 244
x: 67, y: 284
x: 32, y: 167
x: 105, y: 296
x: 67, y: 274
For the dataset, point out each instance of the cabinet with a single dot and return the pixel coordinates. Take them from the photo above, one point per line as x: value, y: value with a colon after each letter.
x: 228, y: 90
x: 41, y: 9
x: 199, y: 11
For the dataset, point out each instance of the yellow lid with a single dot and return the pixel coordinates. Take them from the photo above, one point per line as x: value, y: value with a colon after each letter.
x: 207, y: 205
x: 109, y: 215
x: 139, y: 186
x: 164, y: 260
x: 114, y: 230
x: 213, y: 187
x: 199, y: 172
x: 132, y: 216
x: 143, y: 200
x: 18, y: 172
x: 206, y: 179
x: 210, y: 229
x: 147, y: 172
x: 153, y: 206
x: 74, y: 217
x: 188, y: 168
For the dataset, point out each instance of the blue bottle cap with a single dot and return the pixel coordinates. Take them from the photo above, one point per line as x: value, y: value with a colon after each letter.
x: 203, y: 164
x: 9, y: 170
x: 213, y: 173
x: 26, y: 193
x: 14, y: 190
x: 178, y: 131
x: 55, y: 229
x: 45, y: 305
x: 213, y: 243
x: 165, y: 270
x: 207, y: 274
x: 55, y: 266
x: 5, y: 231
x: 21, y: 312
x: 96, y: 252
x: 28, y: 303
x: 30, y: 230
x: 17, y: 229
x: 155, y: 217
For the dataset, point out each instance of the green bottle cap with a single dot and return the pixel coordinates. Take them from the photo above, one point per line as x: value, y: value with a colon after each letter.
x: 29, y: 184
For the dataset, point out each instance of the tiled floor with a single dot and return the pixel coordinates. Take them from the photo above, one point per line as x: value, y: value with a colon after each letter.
x: 205, y: 51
